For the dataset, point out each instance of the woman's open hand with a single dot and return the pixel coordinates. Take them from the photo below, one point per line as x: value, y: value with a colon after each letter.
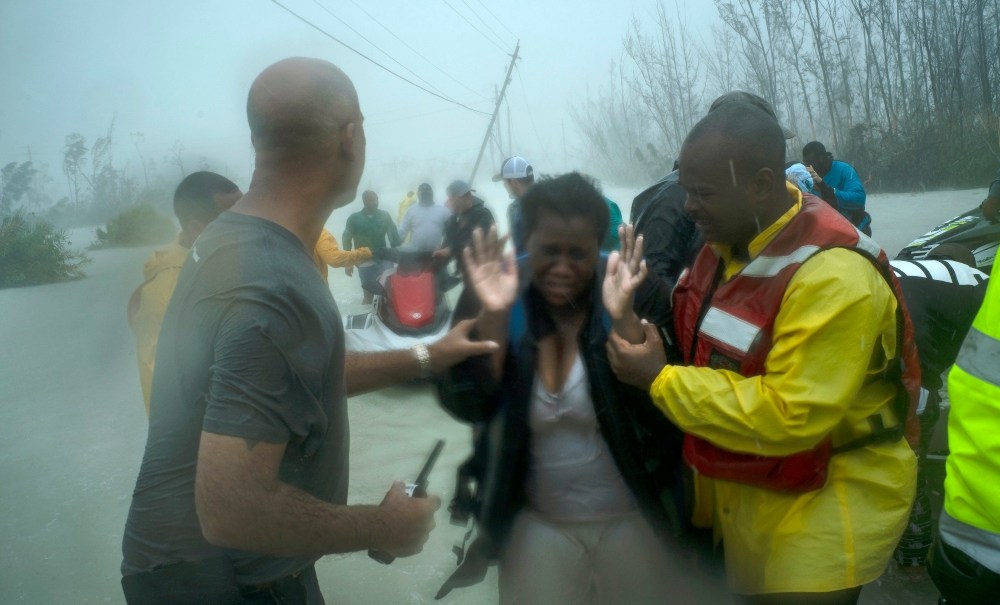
x: 492, y: 272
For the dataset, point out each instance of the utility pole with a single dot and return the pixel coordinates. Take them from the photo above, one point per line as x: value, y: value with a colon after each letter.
x: 496, y: 110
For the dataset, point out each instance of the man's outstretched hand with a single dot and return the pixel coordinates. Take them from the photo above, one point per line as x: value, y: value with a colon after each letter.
x: 639, y: 364
x: 455, y: 347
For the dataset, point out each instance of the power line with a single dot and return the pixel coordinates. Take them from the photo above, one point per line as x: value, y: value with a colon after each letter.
x: 483, y: 21
x: 497, y: 18
x: 417, y: 52
x: 373, y: 61
x: 362, y: 36
x: 473, y: 26
x: 531, y: 116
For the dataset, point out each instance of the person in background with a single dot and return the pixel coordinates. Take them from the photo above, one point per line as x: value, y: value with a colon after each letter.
x: 370, y: 229
x: 942, y: 294
x: 327, y: 253
x: 408, y: 200
x: 518, y: 176
x: 198, y: 200
x: 424, y: 221
x: 806, y: 479
x: 469, y: 212
x: 610, y: 242
x: 838, y: 184
x: 965, y: 560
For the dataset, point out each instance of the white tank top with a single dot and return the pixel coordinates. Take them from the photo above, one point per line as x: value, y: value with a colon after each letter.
x: 573, y: 476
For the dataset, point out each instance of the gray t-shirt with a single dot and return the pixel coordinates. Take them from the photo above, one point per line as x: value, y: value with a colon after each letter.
x: 426, y: 224
x: 251, y: 347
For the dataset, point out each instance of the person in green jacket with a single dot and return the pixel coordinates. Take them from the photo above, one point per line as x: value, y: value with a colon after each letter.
x: 965, y: 560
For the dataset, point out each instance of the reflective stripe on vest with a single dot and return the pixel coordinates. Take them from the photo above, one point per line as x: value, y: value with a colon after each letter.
x: 729, y: 329
x: 980, y: 357
x: 769, y: 266
x: 867, y: 244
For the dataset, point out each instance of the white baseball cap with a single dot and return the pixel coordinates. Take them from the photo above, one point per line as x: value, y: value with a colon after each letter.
x: 514, y: 167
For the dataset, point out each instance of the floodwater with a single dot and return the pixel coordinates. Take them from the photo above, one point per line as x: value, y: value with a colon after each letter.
x: 72, y: 431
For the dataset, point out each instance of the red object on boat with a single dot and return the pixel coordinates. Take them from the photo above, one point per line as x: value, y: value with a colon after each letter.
x: 412, y: 298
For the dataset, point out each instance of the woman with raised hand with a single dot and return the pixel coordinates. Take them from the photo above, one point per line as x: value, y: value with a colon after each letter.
x: 576, y: 493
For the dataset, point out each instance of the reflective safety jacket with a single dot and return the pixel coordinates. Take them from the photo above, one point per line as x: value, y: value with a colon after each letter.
x: 972, y: 483
x: 823, y: 375
x: 728, y: 326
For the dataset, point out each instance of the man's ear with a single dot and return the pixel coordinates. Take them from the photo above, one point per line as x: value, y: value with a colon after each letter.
x: 762, y: 184
x: 348, y: 132
x: 193, y: 227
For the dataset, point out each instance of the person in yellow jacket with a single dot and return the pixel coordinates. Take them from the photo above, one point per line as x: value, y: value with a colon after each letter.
x: 408, y: 200
x: 823, y: 377
x: 965, y: 559
x: 328, y: 253
x: 198, y: 200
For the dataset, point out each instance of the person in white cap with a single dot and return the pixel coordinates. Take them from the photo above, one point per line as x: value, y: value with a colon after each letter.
x: 518, y: 176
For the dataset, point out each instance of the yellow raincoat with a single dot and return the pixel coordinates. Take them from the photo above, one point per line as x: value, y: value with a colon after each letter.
x: 148, y: 304
x: 328, y: 253
x: 832, y: 336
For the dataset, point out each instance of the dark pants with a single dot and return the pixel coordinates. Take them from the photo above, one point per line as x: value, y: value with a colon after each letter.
x: 300, y: 589
x: 213, y: 582
x: 960, y: 578
x: 919, y: 533
x: 840, y: 597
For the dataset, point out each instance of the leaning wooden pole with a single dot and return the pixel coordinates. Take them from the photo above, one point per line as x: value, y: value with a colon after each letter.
x: 496, y: 111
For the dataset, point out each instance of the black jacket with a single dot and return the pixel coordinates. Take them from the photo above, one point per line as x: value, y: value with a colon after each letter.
x: 645, y: 446
x: 671, y: 241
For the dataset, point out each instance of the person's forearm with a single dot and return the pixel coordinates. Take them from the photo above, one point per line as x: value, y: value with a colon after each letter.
x: 493, y: 326
x: 286, y: 522
x: 629, y: 327
x: 365, y: 372
x: 241, y: 503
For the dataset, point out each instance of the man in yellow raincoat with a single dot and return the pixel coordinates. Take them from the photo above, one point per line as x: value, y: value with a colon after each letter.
x: 198, y: 200
x: 790, y: 344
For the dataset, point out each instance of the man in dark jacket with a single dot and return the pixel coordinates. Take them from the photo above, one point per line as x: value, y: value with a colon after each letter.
x: 469, y: 213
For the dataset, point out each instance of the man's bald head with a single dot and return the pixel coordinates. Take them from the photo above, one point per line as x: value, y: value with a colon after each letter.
x: 750, y: 137
x: 298, y: 105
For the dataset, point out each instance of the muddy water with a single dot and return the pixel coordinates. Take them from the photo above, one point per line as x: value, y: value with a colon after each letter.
x: 72, y: 429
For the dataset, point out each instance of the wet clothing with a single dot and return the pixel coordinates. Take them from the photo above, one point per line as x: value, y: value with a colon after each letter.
x: 610, y: 562
x: 670, y: 240
x: 942, y: 297
x: 458, y: 230
x: 837, y: 314
x: 424, y: 225
x: 252, y: 347
x: 515, y: 227
x: 328, y: 254
x: 644, y: 447
x: 842, y: 189
x: 970, y: 522
x: 148, y: 304
x: 372, y: 231
x: 611, y: 240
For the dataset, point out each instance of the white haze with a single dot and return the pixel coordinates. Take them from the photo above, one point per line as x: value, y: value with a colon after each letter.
x: 180, y: 71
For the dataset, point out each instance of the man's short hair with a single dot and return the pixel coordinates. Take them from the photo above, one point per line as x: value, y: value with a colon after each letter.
x: 567, y: 195
x: 194, y: 198
x: 814, y: 148
x: 758, y: 141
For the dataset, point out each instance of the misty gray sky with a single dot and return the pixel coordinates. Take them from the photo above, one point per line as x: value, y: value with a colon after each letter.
x: 180, y: 70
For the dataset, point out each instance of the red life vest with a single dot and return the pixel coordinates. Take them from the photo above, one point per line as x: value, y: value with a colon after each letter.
x: 729, y: 326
